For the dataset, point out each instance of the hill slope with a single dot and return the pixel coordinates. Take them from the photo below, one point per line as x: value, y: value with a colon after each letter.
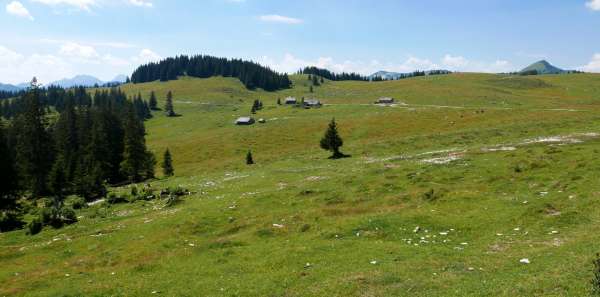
x: 442, y: 196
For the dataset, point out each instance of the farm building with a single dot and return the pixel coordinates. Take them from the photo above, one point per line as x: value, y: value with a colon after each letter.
x: 308, y: 103
x: 290, y: 100
x: 385, y: 100
x: 244, y: 121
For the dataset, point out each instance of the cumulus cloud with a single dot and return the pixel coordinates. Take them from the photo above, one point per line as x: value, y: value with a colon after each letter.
x: 275, y: 18
x: 593, y: 5
x: 17, y: 8
x: 142, y: 3
x: 291, y: 63
x: 79, y: 4
x: 75, y: 50
x: 593, y: 65
x: 68, y: 60
x: 146, y: 56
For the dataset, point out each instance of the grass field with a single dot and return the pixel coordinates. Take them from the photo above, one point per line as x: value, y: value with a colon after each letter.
x: 444, y: 194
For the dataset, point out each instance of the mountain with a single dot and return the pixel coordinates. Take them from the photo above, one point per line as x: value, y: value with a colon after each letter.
x: 121, y: 78
x: 78, y: 80
x: 543, y: 67
x: 10, y: 88
x: 387, y: 75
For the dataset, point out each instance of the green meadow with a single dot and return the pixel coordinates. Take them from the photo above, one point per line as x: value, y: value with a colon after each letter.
x: 446, y: 193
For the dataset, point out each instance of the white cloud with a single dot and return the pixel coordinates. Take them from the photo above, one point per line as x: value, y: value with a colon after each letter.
x: 593, y: 65
x: 454, y: 62
x: 146, y: 56
x: 79, y: 4
x: 291, y: 64
x: 75, y: 50
x: 16, y: 68
x: 275, y: 18
x: 17, y: 8
x: 593, y: 5
x: 142, y: 3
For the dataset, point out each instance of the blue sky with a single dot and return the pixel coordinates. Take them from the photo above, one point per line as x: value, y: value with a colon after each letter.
x: 53, y: 39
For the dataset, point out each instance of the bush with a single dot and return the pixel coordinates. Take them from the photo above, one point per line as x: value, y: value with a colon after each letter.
x: 432, y: 195
x: 68, y: 215
x: 596, y: 280
x: 76, y: 202
x: 45, y: 215
x: 115, y: 199
x: 34, y: 227
x: 10, y: 220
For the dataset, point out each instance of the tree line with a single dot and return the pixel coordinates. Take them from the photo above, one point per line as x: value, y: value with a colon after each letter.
x: 251, y: 74
x: 332, y: 76
x: 94, y: 141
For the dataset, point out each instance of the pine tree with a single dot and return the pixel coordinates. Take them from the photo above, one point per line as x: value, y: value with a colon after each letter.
x: 322, y: 80
x: 152, y: 102
x: 170, y: 112
x: 249, y: 159
x: 33, y: 143
x: 167, y: 164
x: 67, y: 139
x: 56, y: 184
x: 315, y: 80
x: 310, y: 89
x: 278, y: 101
x: 332, y: 141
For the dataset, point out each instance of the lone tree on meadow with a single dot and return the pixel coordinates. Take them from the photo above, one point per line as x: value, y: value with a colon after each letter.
x: 249, y: 159
x: 152, y: 102
x: 167, y: 164
x: 278, y: 101
x: 169, y: 105
x: 332, y: 141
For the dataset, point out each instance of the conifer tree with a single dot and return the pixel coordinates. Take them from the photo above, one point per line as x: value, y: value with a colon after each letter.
x: 332, y: 141
x: 249, y: 159
x: 167, y: 164
x: 310, y: 89
x: 170, y: 112
x: 152, y: 102
x: 138, y: 163
x: 10, y: 214
x: 322, y: 80
x: 278, y: 101
x: 33, y: 143
x: 315, y: 80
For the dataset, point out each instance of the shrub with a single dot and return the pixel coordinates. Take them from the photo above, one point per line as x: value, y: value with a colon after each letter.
x: 45, y: 215
x: 10, y: 220
x: 76, y: 202
x: 115, y: 199
x: 68, y: 215
x: 596, y: 278
x: 432, y: 195
x: 34, y: 227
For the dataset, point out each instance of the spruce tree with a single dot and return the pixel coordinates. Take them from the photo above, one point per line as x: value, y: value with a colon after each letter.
x: 249, y: 159
x: 310, y: 89
x: 10, y: 214
x: 332, y: 141
x: 152, y: 102
x: 33, y: 143
x: 169, y: 111
x: 167, y: 164
x: 278, y: 101
x: 138, y: 163
x: 315, y: 80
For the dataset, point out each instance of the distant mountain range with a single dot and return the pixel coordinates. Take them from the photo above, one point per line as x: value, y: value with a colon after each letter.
x: 78, y: 80
x: 543, y: 67
x: 387, y: 75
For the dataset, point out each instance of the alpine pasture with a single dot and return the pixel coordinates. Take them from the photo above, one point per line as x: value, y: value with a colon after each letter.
x: 468, y: 185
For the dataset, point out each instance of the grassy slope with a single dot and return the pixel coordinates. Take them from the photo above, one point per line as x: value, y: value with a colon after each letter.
x: 341, y: 215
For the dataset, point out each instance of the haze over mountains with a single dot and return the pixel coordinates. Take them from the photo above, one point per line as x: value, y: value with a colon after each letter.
x: 78, y: 80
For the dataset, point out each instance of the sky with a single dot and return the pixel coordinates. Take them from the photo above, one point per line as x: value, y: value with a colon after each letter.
x: 54, y: 39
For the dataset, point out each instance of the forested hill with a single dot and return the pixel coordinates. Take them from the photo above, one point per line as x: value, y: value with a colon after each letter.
x: 333, y: 76
x: 251, y: 74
